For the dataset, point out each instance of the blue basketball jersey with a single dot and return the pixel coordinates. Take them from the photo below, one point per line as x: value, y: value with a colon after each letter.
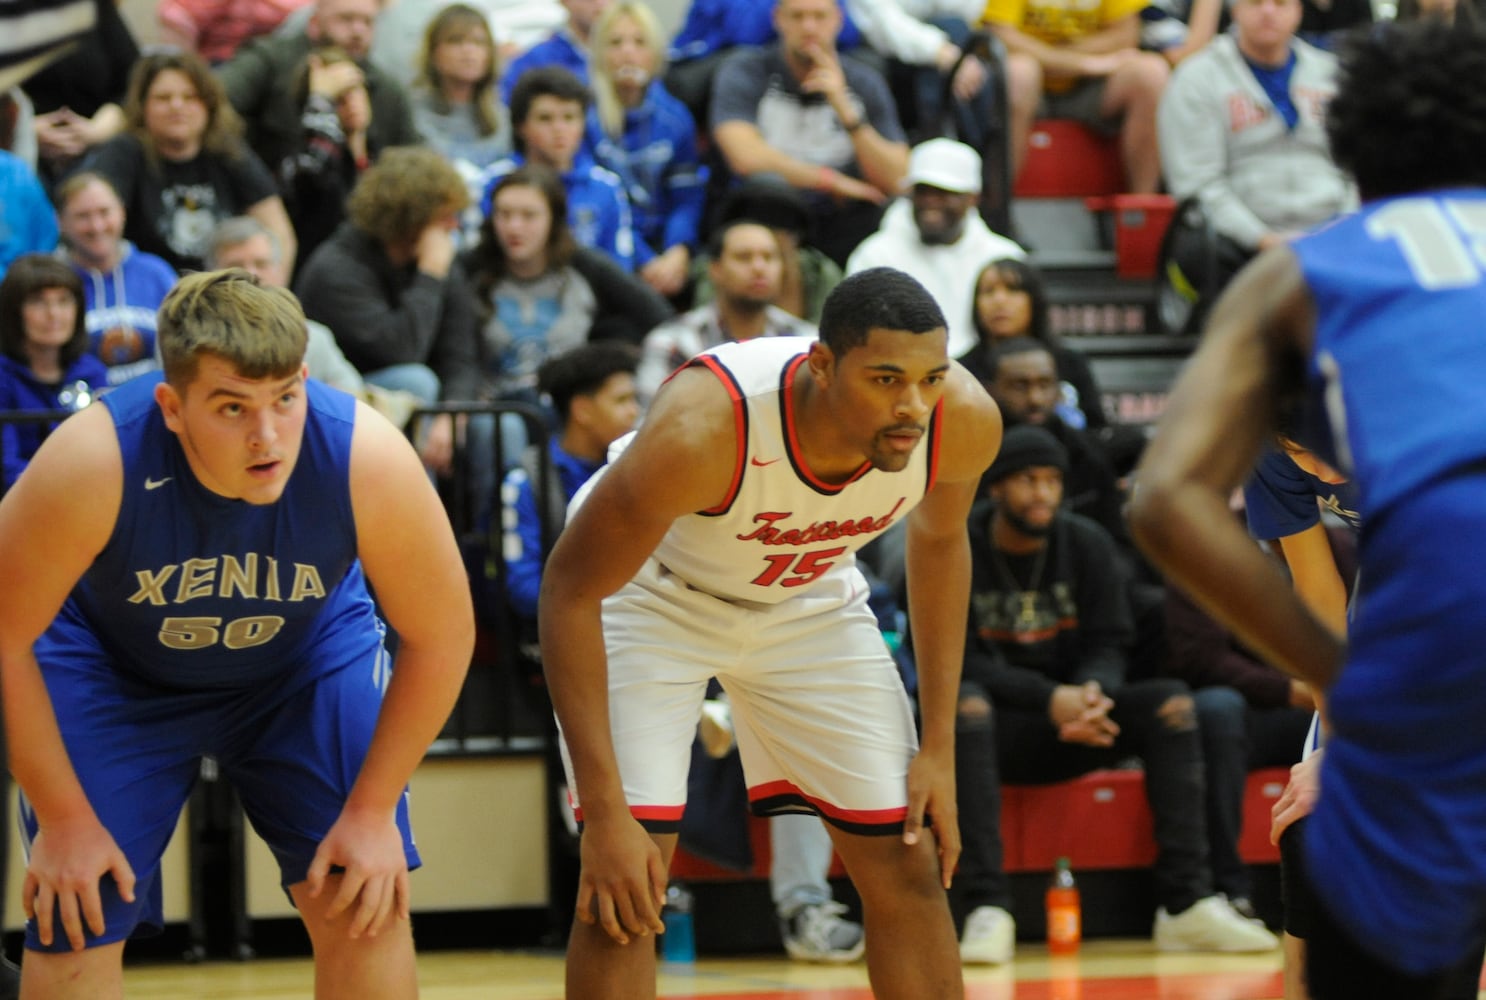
x: 195, y: 591
x: 1398, y: 375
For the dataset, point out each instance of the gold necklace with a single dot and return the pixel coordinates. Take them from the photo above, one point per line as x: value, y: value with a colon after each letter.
x: 1026, y: 596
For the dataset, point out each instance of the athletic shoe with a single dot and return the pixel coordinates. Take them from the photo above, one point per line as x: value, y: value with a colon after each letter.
x: 989, y: 938
x: 818, y: 933
x: 1210, y: 924
x: 1244, y: 907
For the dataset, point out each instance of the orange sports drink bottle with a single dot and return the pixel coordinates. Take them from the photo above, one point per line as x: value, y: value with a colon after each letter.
x: 1064, y: 914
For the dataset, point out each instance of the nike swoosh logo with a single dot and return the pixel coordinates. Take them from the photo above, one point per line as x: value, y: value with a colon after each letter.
x: 155, y: 484
x: 769, y: 462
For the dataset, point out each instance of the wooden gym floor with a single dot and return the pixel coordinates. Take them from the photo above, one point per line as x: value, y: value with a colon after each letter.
x: 1104, y: 970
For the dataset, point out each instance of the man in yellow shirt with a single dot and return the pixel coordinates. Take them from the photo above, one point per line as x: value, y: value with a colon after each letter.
x: 1081, y: 59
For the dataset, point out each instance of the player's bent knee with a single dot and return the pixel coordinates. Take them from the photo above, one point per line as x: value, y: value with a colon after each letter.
x: 92, y: 972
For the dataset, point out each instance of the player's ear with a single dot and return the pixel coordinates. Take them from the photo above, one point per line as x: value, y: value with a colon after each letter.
x: 170, y: 403
x: 822, y: 362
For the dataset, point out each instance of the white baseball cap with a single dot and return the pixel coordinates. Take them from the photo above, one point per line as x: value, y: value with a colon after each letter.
x: 945, y: 164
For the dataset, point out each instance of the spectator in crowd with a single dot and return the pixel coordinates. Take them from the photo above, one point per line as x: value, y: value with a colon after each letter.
x: 1022, y: 376
x: 647, y: 138
x: 592, y: 391
x: 1179, y: 28
x: 386, y: 286
x: 817, y: 121
x: 746, y: 272
x: 44, y: 359
x: 1045, y: 696
x: 77, y: 99
x: 807, y: 274
x: 710, y: 32
x: 214, y: 29
x: 937, y: 235
x: 547, y: 116
x: 1243, y: 131
x: 182, y: 166
x: 27, y: 222
x: 1461, y: 13
x: 454, y: 100
x: 260, y: 80
x: 567, y: 47
x: 1082, y: 62
x: 244, y: 242
x: 1251, y: 714
x: 1011, y: 301
x: 334, y: 149
x: 123, y: 286
x: 539, y: 292
x: 924, y: 40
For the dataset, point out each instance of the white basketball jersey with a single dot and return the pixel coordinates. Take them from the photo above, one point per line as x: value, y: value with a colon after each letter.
x: 781, y: 529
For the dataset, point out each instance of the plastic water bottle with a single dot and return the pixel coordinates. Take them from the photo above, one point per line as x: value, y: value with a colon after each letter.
x: 1064, y: 913
x: 679, y: 942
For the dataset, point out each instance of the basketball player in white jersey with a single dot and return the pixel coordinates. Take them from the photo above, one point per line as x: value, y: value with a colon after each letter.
x: 721, y: 542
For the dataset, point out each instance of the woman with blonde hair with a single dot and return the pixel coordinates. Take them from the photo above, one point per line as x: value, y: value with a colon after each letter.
x: 454, y: 101
x: 647, y: 137
x: 182, y: 166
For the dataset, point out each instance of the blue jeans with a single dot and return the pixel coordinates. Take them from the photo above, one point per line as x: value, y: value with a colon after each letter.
x: 801, y: 862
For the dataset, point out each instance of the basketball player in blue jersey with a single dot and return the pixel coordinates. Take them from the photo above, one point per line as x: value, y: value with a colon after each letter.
x: 720, y: 542
x: 187, y: 567
x: 1368, y: 332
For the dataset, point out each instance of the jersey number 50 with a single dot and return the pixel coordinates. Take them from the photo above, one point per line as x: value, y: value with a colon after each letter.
x: 199, y: 633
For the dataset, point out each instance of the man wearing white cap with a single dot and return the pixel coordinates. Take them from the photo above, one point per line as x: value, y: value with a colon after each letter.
x: 936, y: 235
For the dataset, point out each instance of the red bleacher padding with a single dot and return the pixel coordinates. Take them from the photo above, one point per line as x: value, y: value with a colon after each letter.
x: 1066, y: 159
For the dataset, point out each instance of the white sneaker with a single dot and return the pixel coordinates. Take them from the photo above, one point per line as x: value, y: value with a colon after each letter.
x: 989, y: 937
x: 1210, y: 925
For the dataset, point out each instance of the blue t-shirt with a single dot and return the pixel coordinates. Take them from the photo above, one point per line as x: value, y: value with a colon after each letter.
x: 1280, y: 498
x: 195, y: 591
x: 1397, y: 844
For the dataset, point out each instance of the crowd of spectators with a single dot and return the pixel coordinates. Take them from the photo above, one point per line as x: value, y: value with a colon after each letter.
x: 457, y: 202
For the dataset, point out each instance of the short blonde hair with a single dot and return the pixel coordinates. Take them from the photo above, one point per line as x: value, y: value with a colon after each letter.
x: 229, y: 314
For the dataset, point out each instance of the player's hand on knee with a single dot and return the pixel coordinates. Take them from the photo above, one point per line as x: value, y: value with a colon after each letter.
x: 1298, y: 799
x: 623, y: 883
x: 68, y: 862
x: 374, y: 882
x: 931, y: 793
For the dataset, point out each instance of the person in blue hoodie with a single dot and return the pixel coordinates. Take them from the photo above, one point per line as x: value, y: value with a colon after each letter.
x: 592, y: 388
x: 123, y: 286
x: 44, y: 359
x: 547, y: 118
x: 26, y: 220
x: 649, y: 139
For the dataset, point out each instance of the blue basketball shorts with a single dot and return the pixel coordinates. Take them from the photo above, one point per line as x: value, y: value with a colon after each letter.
x: 291, y: 748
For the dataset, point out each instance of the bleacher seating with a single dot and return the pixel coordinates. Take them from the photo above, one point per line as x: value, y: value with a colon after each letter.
x: 1098, y: 821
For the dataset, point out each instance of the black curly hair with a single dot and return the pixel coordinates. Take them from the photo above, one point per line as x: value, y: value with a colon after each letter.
x: 1410, y: 109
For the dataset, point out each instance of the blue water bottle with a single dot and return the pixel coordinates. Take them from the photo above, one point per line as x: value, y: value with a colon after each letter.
x: 679, y: 942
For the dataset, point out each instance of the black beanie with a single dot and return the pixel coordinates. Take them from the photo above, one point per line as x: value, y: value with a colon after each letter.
x: 1025, y: 446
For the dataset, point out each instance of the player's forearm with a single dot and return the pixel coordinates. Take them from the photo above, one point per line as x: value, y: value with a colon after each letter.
x: 938, y: 599
x: 1186, y: 530
x: 576, y: 664
x: 38, y: 758
x: 425, y: 684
